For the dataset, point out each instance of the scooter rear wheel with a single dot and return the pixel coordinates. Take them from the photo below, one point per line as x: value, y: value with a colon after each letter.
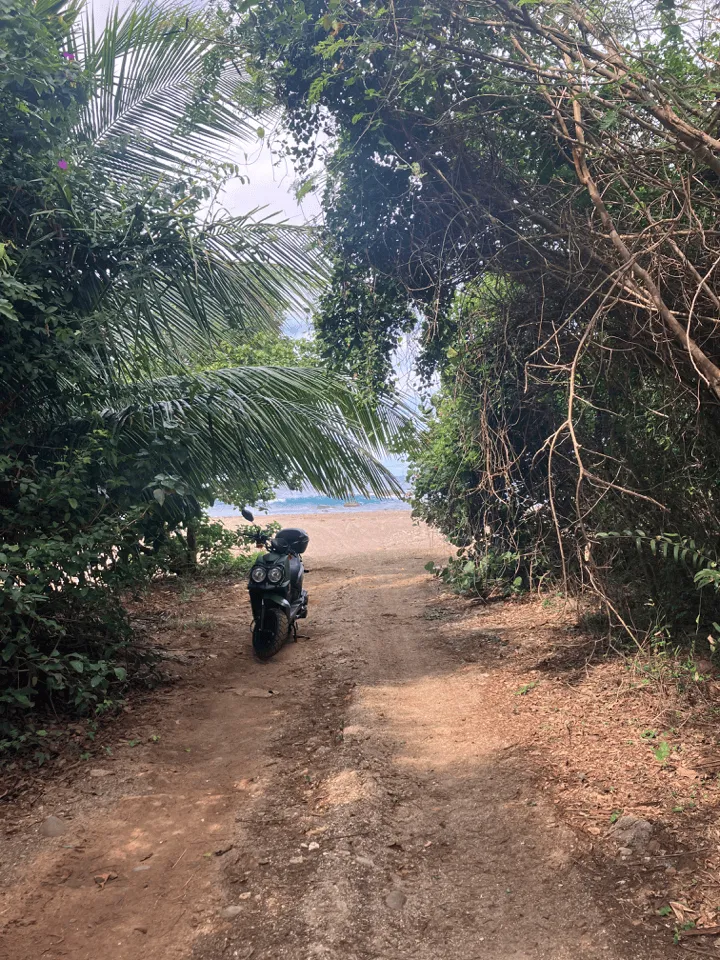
x: 276, y: 626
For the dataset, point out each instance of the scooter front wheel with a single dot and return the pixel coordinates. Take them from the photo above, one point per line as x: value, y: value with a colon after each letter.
x: 274, y: 633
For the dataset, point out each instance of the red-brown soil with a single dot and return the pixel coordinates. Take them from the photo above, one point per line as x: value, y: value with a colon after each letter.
x: 417, y: 777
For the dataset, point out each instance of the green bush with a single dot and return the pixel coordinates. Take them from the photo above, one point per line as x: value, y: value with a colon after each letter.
x: 65, y: 640
x: 206, y: 547
x: 493, y: 574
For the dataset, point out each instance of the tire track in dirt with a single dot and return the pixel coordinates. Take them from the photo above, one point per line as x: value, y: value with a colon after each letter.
x: 379, y: 805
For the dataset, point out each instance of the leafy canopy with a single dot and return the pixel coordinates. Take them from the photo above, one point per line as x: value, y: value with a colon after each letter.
x: 539, y: 183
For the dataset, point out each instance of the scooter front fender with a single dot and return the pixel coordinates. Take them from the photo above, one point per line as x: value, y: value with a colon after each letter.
x: 277, y: 599
x: 260, y: 599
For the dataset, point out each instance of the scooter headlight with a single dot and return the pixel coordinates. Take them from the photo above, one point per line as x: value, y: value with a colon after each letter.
x: 257, y: 574
x: 275, y: 574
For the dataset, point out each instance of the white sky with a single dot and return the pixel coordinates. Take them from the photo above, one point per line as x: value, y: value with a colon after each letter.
x: 270, y: 185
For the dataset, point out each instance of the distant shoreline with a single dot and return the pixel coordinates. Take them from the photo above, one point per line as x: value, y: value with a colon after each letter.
x: 365, y: 509
x: 312, y: 505
x: 364, y: 523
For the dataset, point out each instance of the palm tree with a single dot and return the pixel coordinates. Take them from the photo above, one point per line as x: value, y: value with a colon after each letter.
x: 165, y: 107
x: 117, y: 277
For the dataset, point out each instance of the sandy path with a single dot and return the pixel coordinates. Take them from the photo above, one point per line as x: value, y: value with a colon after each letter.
x: 378, y: 804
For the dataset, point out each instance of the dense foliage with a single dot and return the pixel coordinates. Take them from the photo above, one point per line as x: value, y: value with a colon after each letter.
x: 133, y: 314
x: 538, y: 182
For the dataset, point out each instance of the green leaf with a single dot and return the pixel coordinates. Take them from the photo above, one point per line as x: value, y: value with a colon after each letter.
x: 609, y: 120
x: 304, y: 189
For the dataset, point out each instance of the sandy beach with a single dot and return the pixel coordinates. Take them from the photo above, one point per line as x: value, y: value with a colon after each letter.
x: 336, y: 535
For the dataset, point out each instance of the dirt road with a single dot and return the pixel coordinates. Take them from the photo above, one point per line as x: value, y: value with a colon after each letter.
x: 368, y: 794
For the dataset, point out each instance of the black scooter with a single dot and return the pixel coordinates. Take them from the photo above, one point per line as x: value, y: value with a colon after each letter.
x: 277, y: 597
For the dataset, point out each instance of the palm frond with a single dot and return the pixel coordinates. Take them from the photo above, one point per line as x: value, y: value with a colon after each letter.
x: 182, y: 284
x: 206, y: 283
x: 259, y: 422
x: 50, y: 9
x: 165, y: 104
x: 154, y: 111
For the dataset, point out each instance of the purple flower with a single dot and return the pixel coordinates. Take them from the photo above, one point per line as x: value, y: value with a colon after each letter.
x: 68, y: 55
x: 63, y: 164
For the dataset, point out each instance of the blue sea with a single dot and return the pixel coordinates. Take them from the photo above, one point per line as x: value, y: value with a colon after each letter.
x: 310, y: 501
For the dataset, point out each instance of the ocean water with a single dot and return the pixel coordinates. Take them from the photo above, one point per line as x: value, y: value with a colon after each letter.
x: 310, y: 501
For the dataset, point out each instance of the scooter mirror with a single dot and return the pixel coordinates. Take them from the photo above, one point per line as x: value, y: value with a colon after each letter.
x: 247, y: 514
